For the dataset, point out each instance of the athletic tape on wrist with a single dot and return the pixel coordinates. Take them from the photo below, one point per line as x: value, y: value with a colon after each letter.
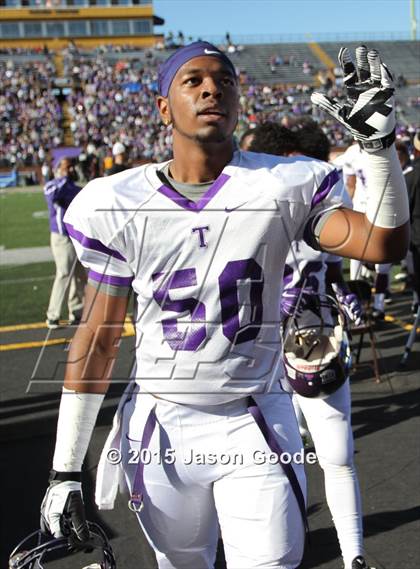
x: 387, y: 197
x: 76, y: 420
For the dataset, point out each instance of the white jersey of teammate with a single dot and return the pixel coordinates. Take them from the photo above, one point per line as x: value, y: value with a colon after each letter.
x: 207, y: 275
x: 306, y: 268
x: 354, y: 164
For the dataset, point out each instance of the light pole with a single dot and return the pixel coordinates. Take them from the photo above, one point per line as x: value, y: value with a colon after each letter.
x: 413, y: 19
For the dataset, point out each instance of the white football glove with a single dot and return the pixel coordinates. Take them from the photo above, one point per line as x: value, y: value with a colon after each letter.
x: 63, y: 511
x: 369, y: 111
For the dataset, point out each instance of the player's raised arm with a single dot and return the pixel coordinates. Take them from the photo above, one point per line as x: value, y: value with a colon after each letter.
x: 381, y: 235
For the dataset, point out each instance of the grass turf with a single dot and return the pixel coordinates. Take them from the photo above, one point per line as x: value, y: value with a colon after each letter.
x: 25, y: 292
x: 23, y: 220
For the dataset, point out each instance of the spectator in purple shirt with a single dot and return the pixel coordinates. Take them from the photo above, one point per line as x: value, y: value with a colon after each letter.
x: 70, y: 276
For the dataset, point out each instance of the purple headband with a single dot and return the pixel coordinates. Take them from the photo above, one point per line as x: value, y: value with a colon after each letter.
x: 168, y: 70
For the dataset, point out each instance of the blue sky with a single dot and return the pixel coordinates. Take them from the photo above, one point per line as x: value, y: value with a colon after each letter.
x: 280, y: 17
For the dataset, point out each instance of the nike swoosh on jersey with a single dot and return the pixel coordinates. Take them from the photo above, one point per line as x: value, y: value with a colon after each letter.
x: 229, y: 209
x: 209, y: 52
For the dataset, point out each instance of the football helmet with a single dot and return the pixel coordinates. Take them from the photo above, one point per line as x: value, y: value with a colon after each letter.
x: 317, y: 353
x: 39, y: 548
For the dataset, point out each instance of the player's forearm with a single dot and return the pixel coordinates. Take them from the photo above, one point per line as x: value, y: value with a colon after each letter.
x: 94, y: 347
x: 387, y: 200
x: 88, y: 373
x: 76, y: 421
x: 87, y: 379
x: 382, y: 234
x: 91, y: 359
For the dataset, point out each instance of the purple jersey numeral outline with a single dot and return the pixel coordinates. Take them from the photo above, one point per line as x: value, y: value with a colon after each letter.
x: 234, y: 271
x: 181, y: 340
x: 228, y: 286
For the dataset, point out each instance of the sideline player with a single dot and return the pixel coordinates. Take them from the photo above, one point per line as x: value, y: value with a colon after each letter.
x: 412, y: 177
x: 202, y: 240
x: 70, y: 277
x: 328, y: 417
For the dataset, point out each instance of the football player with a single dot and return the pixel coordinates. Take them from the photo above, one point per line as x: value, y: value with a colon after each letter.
x: 201, y: 240
x: 307, y: 274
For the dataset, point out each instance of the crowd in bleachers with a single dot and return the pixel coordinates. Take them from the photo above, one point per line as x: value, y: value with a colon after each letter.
x: 23, y: 51
x: 30, y: 115
x: 113, y: 100
x: 413, y: 102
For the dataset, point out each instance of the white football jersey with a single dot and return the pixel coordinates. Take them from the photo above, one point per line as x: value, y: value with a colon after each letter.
x: 207, y: 275
x: 353, y: 161
x: 305, y: 268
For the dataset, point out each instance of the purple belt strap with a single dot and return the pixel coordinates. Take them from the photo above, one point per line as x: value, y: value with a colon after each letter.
x: 137, y: 495
x: 135, y: 503
x: 276, y: 448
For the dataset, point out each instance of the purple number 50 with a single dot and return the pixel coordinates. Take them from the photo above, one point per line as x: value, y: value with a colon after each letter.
x: 246, y: 269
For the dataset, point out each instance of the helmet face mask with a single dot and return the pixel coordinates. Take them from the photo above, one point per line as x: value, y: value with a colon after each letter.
x: 317, y: 353
x: 38, y: 548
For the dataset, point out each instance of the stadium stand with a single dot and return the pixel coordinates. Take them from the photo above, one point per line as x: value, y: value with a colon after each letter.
x: 293, y: 59
x: 30, y: 114
x: 110, y: 96
x: 402, y: 57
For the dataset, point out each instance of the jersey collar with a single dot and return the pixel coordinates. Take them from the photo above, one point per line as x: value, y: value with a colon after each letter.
x: 216, y: 186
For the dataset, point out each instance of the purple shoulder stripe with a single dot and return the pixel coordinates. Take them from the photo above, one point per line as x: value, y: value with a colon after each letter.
x: 109, y: 279
x: 324, y: 189
x: 90, y: 243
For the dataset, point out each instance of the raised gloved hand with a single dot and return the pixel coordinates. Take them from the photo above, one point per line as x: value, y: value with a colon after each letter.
x: 349, y: 302
x: 63, y: 512
x: 369, y: 110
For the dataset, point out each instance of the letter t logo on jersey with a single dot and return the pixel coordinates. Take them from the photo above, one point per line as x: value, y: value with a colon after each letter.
x: 201, y: 231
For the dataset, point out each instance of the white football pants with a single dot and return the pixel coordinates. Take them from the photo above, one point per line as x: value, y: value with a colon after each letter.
x: 187, y: 501
x: 329, y: 422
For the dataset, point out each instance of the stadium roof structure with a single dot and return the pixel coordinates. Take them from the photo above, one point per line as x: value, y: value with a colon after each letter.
x: 55, y: 23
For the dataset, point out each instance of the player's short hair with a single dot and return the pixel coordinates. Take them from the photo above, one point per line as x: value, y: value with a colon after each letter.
x: 312, y: 140
x: 272, y: 138
x: 69, y: 159
x: 249, y: 131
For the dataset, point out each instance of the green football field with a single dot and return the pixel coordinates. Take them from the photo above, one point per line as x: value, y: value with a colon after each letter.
x: 23, y: 220
x: 24, y: 290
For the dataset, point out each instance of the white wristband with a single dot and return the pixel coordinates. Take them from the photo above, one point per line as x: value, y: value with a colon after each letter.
x: 387, y: 197
x: 76, y: 420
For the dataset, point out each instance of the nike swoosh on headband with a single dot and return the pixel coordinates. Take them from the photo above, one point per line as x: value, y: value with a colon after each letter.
x: 209, y: 52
